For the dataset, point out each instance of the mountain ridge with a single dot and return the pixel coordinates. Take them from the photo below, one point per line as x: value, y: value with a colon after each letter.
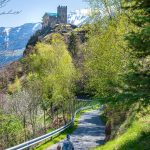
x: 13, y: 40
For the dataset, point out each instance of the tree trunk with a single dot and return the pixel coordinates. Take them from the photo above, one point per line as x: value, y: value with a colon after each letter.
x: 65, y: 122
x: 51, y: 109
x: 57, y: 120
x: 44, y: 121
x: 24, y: 126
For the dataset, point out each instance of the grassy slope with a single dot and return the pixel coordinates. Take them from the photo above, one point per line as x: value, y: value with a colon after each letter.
x: 137, y: 137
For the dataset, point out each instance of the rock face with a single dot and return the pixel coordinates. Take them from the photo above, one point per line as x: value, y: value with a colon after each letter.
x: 13, y: 41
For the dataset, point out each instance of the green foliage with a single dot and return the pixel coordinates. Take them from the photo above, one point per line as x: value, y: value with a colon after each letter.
x: 73, y: 45
x: 117, y: 65
x: 16, y: 86
x: 136, y: 137
x: 10, y: 130
x: 52, y: 67
x: 107, y: 56
x: 139, y: 42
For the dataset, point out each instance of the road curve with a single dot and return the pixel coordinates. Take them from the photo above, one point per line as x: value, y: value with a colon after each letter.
x: 89, y: 133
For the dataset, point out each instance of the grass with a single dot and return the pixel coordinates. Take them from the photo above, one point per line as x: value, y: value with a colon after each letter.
x: 137, y: 137
x: 62, y: 136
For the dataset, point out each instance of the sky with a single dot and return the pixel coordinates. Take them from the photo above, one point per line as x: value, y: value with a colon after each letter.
x: 33, y: 10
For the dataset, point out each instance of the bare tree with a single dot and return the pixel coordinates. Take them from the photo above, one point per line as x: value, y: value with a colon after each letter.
x: 3, y: 3
x: 20, y: 105
x: 25, y: 105
x: 102, y: 8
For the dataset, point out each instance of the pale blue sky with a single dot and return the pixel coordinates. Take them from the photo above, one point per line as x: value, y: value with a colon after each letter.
x: 33, y: 10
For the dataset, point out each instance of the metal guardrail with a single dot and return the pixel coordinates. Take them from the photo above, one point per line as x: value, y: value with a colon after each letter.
x: 32, y: 142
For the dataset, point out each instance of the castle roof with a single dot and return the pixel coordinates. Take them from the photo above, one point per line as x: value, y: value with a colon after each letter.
x: 51, y: 14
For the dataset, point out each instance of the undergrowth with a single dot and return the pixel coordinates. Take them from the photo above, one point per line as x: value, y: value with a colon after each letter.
x: 131, y: 125
x: 136, y: 137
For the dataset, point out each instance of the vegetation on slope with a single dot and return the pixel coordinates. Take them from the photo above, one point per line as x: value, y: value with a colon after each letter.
x: 110, y: 61
x: 118, y: 71
x: 136, y: 137
x: 44, y: 99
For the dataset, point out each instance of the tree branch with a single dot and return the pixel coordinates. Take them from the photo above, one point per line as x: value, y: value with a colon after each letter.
x: 3, y: 3
x: 10, y: 12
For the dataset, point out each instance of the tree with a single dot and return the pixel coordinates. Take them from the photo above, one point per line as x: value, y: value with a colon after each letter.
x: 139, y: 42
x: 10, y: 125
x: 101, y: 8
x: 3, y: 3
x: 52, y: 67
x: 107, y: 57
x: 10, y: 128
x: 14, y: 87
x: 73, y: 48
x: 20, y: 103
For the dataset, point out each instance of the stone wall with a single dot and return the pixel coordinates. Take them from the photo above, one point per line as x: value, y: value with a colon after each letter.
x: 52, y: 21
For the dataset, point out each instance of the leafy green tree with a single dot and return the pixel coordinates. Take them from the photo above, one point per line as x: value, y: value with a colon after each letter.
x: 52, y: 67
x: 73, y: 48
x: 16, y: 86
x: 107, y: 56
x: 139, y: 42
x: 10, y: 130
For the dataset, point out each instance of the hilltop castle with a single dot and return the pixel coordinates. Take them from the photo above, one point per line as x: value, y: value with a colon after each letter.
x: 51, y: 19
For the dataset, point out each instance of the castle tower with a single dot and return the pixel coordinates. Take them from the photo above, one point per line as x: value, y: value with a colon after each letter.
x: 62, y: 14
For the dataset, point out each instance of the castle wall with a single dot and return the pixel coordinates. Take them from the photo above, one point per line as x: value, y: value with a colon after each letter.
x: 52, y: 21
x: 49, y: 21
x: 45, y: 21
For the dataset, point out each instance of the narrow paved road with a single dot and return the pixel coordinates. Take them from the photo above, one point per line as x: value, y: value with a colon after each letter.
x: 89, y: 133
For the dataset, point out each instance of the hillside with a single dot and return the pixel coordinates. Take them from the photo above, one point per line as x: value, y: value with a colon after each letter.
x: 18, y: 75
x: 13, y: 40
x: 18, y: 68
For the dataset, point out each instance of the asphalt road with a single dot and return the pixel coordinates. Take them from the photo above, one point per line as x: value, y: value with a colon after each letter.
x: 89, y: 133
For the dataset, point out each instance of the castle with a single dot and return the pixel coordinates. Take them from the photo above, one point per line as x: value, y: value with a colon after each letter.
x: 51, y: 19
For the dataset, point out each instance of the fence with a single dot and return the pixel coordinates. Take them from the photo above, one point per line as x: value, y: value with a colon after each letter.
x: 37, y: 140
